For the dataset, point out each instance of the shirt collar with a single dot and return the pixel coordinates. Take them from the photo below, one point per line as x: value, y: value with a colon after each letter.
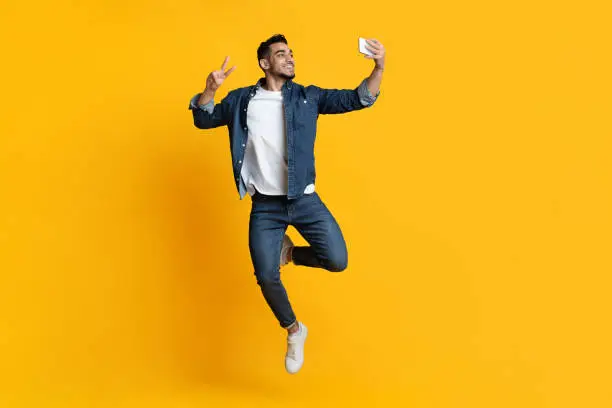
x: 288, y: 84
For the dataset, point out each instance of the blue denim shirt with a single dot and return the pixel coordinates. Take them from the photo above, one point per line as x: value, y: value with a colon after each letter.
x: 302, y: 106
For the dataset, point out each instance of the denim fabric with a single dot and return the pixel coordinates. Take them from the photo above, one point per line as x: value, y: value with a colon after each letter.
x: 302, y: 106
x: 269, y: 219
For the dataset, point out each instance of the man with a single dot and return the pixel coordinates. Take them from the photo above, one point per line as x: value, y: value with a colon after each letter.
x: 272, y: 127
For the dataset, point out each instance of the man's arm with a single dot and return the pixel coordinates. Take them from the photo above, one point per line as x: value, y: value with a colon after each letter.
x: 346, y: 100
x: 206, y: 114
x: 333, y: 101
x: 375, y: 77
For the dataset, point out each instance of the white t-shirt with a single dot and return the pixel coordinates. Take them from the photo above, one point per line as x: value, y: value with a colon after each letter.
x: 265, y: 157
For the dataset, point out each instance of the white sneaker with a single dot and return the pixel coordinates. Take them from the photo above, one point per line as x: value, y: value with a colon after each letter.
x: 294, y: 359
x: 285, y: 250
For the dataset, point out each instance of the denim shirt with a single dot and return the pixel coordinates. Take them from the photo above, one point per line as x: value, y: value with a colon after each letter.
x: 302, y: 106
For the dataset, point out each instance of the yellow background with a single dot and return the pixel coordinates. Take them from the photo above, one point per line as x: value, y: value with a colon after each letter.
x: 475, y: 197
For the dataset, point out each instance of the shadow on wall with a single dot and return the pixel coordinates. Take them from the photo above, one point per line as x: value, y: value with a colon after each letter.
x: 211, y: 283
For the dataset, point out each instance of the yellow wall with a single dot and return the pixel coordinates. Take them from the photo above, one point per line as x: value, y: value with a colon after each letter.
x: 475, y: 197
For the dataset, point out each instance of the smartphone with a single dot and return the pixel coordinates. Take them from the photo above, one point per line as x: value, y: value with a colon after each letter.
x: 362, y: 47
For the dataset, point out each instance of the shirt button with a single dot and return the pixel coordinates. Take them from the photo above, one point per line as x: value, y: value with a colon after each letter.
x: 245, y: 109
x: 245, y: 128
x: 243, y: 145
x: 304, y: 100
x: 239, y: 161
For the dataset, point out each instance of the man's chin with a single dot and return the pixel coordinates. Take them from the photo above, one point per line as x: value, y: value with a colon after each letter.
x: 288, y: 76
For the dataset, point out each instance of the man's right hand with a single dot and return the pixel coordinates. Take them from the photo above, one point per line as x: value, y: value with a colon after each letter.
x: 214, y: 81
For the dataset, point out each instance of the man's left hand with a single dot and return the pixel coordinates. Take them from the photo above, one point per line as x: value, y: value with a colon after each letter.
x: 376, y: 48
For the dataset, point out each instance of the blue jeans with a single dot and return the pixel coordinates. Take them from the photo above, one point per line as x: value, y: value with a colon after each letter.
x: 269, y: 219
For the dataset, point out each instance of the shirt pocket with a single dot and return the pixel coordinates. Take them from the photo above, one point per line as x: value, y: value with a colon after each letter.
x: 307, y: 112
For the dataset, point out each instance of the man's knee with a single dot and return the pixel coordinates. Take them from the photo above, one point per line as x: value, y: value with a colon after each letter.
x: 337, y: 263
x: 267, y: 279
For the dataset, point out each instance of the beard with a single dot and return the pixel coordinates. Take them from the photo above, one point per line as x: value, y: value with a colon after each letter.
x: 286, y: 76
x: 279, y: 72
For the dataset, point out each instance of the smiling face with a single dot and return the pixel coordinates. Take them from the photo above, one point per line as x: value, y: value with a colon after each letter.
x: 279, y: 62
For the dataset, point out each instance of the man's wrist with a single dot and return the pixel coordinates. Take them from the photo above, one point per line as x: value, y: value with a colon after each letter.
x: 207, y: 96
x: 208, y: 93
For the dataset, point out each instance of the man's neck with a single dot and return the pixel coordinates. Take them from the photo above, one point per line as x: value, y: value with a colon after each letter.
x: 274, y: 83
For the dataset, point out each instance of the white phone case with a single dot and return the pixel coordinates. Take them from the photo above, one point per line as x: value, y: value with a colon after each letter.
x: 362, y: 47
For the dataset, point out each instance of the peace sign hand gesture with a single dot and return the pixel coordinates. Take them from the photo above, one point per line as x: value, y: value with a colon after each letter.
x: 216, y: 78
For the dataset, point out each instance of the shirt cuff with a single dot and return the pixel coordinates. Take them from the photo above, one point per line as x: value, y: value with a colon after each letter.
x: 208, y: 107
x: 365, y: 96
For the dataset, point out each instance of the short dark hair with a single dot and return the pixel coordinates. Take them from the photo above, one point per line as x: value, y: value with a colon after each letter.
x: 264, y: 48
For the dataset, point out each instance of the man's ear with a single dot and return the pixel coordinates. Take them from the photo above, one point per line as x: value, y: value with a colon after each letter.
x: 264, y: 64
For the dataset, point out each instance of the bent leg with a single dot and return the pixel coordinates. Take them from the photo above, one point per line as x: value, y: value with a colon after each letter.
x: 317, y: 225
